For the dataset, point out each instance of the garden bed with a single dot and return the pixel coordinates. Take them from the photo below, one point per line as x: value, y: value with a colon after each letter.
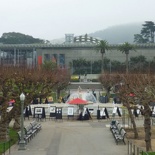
x: 140, y: 142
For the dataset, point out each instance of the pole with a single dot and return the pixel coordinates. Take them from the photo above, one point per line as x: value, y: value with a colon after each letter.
x: 22, y: 141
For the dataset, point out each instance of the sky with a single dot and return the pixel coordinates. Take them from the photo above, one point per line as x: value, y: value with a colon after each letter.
x: 52, y: 19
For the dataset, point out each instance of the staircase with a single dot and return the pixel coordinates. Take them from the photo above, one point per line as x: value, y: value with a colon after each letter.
x: 85, y: 85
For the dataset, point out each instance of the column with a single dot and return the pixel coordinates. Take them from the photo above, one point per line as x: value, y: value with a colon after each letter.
x: 14, y: 59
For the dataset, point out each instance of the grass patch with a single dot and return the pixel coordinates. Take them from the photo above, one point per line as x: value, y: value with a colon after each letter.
x: 148, y: 153
x: 13, y: 139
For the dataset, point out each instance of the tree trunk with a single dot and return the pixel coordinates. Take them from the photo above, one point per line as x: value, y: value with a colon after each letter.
x: 16, y: 125
x: 4, y: 123
x: 58, y: 93
x: 102, y: 68
x: 3, y: 131
x: 17, y: 114
x: 4, y: 127
x: 108, y: 94
x: 132, y: 121
x: 147, y: 127
x: 127, y: 65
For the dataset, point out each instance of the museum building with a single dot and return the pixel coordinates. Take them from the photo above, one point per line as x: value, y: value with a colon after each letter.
x: 33, y: 55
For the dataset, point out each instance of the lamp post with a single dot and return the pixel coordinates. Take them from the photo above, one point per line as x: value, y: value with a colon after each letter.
x: 22, y: 141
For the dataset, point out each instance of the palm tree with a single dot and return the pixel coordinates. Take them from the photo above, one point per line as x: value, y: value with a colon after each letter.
x: 126, y: 48
x: 102, y: 47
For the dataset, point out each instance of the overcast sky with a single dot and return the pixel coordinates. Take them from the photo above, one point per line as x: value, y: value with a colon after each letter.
x: 52, y: 19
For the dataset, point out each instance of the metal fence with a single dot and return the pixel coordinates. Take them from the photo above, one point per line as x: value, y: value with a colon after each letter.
x: 133, y: 149
x: 4, y: 148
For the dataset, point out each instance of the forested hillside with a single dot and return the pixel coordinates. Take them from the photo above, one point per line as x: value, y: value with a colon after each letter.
x: 18, y: 38
x: 118, y: 34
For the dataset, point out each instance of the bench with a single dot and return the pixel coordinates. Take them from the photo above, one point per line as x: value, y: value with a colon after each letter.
x: 35, y: 126
x: 29, y: 131
x: 153, y: 121
x: 113, y: 125
x: 117, y: 131
x: 26, y: 137
x: 120, y: 137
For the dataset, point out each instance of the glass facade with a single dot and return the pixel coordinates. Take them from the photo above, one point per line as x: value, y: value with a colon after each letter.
x: 59, y: 59
x: 62, y: 60
x: 46, y: 57
x: 54, y: 58
x: 18, y: 57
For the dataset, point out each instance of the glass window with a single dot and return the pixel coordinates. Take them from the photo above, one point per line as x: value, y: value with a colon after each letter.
x: 62, y: 60
x: 46, y: 57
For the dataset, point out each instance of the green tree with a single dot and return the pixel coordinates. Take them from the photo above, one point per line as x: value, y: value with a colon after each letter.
x: 126, y: 48
x: 148, y: 31
x: 138, y: 63
x: 102, y: 47
x: 138, y: 38
x: 96, y: 67
x: 49, y: 65
x: 19, y: 38
x: 151, y: 65
x: 80, y: 66
x: 117, y: 66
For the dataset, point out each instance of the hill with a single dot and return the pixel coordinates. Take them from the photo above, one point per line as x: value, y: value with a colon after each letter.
x: 119, y: 34
x: 114, y: 35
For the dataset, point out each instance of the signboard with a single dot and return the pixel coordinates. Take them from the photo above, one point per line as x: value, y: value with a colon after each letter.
x: 70, y: 111
x: 38, y: 110
x: 58, y: 113
x: 52, y: 109
x: 114, y: 110
x: 102, y: 112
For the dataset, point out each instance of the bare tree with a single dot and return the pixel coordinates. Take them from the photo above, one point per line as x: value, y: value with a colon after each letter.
x: 143, y: 88
x: 14, y: 81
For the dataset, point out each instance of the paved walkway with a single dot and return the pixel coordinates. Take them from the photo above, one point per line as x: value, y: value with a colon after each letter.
x: 72, y: 138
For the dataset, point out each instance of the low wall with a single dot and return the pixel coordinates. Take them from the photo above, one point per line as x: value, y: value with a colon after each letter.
x: 92, y: 107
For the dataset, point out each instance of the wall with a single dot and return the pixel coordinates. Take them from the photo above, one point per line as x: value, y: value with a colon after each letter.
x: 76, y: 51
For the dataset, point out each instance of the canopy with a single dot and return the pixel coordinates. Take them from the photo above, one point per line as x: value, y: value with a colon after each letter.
x: 78, y: 101
x: 87, y: 96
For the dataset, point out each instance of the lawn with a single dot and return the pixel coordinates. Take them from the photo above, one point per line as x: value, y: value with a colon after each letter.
x: 13, y: 139
x: 148, y: 153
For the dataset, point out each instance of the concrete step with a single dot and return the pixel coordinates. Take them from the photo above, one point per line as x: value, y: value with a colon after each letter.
x: 85, y: 85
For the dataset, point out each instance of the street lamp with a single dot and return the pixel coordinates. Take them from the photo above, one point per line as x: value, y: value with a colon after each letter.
x: 22, y: 141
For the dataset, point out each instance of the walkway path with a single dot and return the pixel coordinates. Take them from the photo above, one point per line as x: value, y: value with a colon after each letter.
x: 72, y: 138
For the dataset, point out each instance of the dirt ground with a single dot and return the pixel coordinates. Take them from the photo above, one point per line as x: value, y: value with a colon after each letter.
x: 141, y: 140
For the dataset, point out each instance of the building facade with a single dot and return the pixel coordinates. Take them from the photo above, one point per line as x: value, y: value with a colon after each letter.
x: 33, y: 55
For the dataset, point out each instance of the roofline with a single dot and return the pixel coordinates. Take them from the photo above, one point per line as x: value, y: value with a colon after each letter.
x: 69, y: 45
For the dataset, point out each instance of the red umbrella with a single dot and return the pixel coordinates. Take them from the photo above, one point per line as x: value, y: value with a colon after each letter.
x: 78, y: 101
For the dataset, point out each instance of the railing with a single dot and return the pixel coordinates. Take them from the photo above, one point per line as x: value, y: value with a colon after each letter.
x: 136, y: 150
x: 4, y: 148
x: 133, y: 149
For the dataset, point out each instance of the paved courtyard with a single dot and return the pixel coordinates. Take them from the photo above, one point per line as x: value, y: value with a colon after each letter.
x: 72, y: 138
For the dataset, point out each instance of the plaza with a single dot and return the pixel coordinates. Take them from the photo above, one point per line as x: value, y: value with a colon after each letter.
x: 91, y: 137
